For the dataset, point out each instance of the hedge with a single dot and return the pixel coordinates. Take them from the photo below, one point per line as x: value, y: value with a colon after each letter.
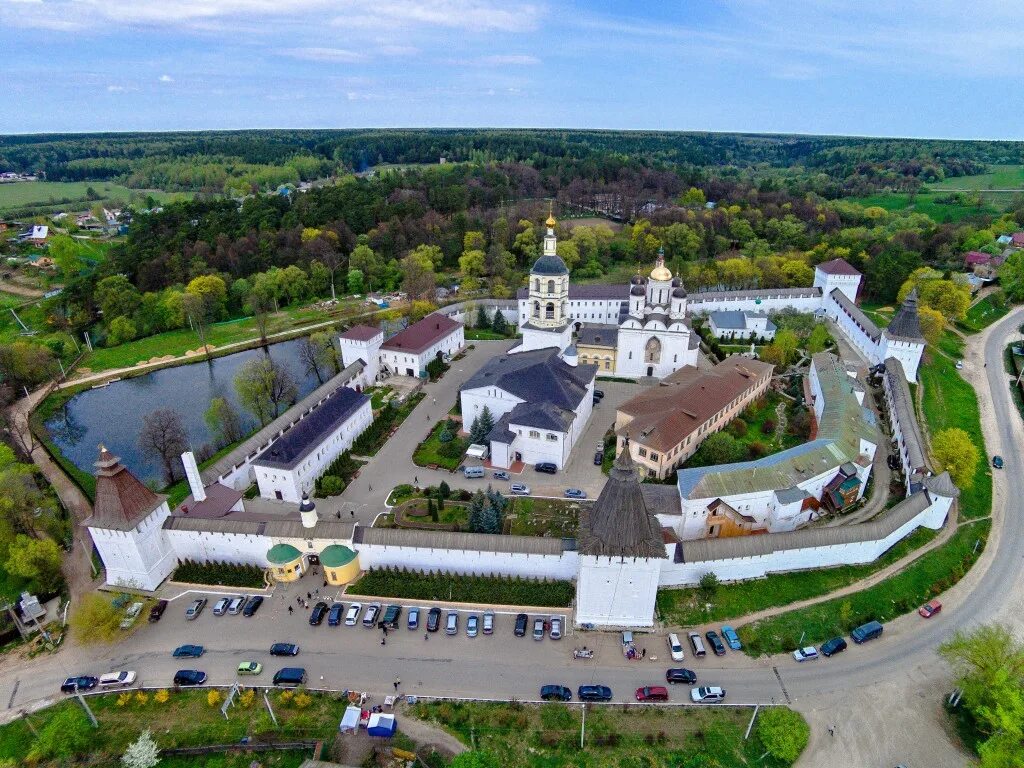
x: 221, y: 574
x: 495, y: 590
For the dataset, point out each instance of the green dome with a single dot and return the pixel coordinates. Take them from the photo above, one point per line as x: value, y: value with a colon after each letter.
x: 549, y: 265
x: 280, y: 554
x: 336, y: 556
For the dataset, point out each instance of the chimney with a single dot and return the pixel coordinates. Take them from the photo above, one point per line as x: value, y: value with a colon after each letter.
x: 195, y: 482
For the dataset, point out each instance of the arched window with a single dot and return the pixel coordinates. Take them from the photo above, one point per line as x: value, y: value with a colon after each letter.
x: 652, y: 351
x: 549, y: 311
x: 551, y: 286
x: 536, y: 284
x: 536, y: 309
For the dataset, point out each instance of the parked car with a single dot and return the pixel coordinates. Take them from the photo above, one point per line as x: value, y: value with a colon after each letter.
x: 731, y: 638
x: 451, y: 626
x: 707, y: 694
x: 316, y: 616
x: 236, y: 605
x: 555, y: 693
x: 865, y: 632
x: 195, y: 608
x: 930, y: 608
x: 545, y: 466
x: 157, y: 610
x: 521, y: 621
x: 575, y: 493
x: 284, y: 649
x: 352, y: 617
x: 598, y: 458
x: 117, y: 679
x: 252, y: 606
x: 538, y: 629
x: 594, y: 693
x: 221, y: 606
x: 555, y: 631
x: 675, y: 648
x: 959, y: 364
x: 250, y: 668
x: 371, y: 614
x: 336, y: 615
x: 392, y: 614
x: 716, y: 642
x: 413, y: 619
x: 188, y: 652
x: 501, y: 474
x: 519, y: 489
x: 189, y: 677
x: 697, y: 644
x: 805, y: 654
x: 434, y: 619
x: 472, y: 625
x: 80, y: 683
x: 599, y: 393
x: 488, y: 626
x: 833, y: 646
x: 290, y: 676
x: 652, y: 693
x: 997, y: 462
x: 680, y: 675
x: 473, y: 472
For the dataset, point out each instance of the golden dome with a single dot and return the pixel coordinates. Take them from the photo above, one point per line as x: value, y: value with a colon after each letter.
x: 661, y: 272
x: 551, y: 215
x: 551, y: 221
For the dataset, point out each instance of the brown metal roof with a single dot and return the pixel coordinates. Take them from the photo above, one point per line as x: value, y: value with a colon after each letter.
x: 421, y: 335
x: 837, y: 267
x: 122, y: 501
x: 361, y: 333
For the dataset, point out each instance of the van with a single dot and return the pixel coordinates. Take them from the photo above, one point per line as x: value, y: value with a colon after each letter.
x: 290, y: 676
x: 697, y: 644
x: 866, y: 632
x: 471, y: 472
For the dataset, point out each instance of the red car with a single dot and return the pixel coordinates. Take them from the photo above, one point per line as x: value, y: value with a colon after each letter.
x: 930, y: 608
x: 652, y: 693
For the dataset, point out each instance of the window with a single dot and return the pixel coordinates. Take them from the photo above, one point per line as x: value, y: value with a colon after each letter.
x: 534, y: 433
x: 536, y: 284
x: 607, y: 365
x: 552, y: 437
x: 642, y: 452
x: 549, y: 311
x: 551, y: 286
x: 536, y: 309
x: 654, y: 457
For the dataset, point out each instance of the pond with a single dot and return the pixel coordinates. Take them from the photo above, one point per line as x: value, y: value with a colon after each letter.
x: 113, y: 415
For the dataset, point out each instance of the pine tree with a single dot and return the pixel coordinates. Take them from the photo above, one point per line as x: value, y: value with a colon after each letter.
x: 430, y: 509
x: 440, y: 500
x: 499, y: 324
x: 142, y: 753
x: 482, y: 426
x: 477, y: 512
x: 481, y: 317
x: 444, y: 490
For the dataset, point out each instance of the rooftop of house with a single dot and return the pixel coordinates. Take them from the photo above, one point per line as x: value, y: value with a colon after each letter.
x: 219, y: 500
x: 121, y: 501
x: 664, y: 415
x: 361, y: 333
x: 305, y: 437
x: 905, y: 324
x: 736, y: 320
x: 536, y: 377
x: 858, y: 316
x: 838, y: 267
x: 422, y: 334
x: 596, y: 335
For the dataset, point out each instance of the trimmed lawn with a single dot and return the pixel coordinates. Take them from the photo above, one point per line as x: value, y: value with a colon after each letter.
x: 483, y: 334
x: 378, y: 396
x: 932, y: 574
x: 433, y: 451
x: 982, y: 315
x: 493, y: 590
x: 542, y: 517
x: 682, y: 607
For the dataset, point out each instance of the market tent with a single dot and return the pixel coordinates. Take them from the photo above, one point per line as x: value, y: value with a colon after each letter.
x: 382, y: 725
x: 350, y: 722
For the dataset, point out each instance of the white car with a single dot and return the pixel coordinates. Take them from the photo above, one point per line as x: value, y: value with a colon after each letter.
x: 803, y: 654
x: 707, y: 694
x: 555, y: 633
x: 117, y: 679
x: 352, y: 617
x: 675, y: 647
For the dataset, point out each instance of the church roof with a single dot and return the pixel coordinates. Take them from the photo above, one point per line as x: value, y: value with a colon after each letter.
x: 905, y: 324
x: 549, y: 265
x: 597, y: 335
x: 619, y: 524
x: 542, y: 416
x: 122, y: 501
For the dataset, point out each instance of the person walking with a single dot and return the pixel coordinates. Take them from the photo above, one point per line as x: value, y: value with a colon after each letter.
x: 426, y: 636
x: 352, y: 511
x: 290, y: 609
x: 416, y: 479
x: 309, y: 596
x: 383, y: 641
x: 398, y: 682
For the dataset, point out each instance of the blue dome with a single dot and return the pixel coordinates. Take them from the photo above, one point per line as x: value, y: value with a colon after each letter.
x: 549, y: 265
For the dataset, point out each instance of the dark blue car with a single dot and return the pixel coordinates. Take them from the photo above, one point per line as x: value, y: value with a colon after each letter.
x: 335, y: 615
x: 594, y: 693
x: 555, y: 693
x: 189, y: 651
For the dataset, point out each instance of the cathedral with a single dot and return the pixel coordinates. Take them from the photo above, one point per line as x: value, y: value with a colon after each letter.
x: 627, y: 331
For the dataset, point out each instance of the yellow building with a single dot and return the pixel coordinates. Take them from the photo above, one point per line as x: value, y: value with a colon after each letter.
x: 341, y: 564
x: 286, y: 562
x: 596, y: 345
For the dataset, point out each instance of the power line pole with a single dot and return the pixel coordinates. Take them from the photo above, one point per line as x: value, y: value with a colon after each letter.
x: 583, y: 725
x: 92, y: 717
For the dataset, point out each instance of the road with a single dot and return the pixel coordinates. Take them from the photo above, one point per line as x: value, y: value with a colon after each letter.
x: 884, y: 698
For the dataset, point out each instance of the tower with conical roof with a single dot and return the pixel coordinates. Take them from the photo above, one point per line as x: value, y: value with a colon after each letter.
x: 547, y: 324
x: 621, y: 551
x: 126, y: 526
x: 903, y: 339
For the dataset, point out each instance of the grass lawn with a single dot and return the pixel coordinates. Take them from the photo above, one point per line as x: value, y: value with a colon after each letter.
x: 37, y: 421
x: 548, y: 735
x: 433, y: 451
x: 932, y: 574
x: 379, y: 395
x: 926, y: 203
x: 494, y: 590
x: 949, y: 401
x: 542, y: 517
x: 998, y: 177
x: 982, y: 315
x: 60, y: 195
x: 681, y: 607
x: 483, y: 334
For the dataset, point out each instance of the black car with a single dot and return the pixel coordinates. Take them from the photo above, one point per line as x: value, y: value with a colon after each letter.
x: 80, y: 683
x: 189, y: 677
x: 680, y: 675
x: 335, y: 615
x: 598, y: 458
x: 253, y: 605
x: 316, y: 616
x: 598, y: 393
x: 833, y: 646
x: 433, y: 619
x: 188, y: 652
x: 546, y: 466
x: 284, y: 649
x: 716, y: 642
x: 555, y: 693
x: 157, y: 610
x: 594, y: 693
x: 521, y: 621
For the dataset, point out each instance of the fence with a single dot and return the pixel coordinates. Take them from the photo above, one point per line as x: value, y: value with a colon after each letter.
x: 246, y: 746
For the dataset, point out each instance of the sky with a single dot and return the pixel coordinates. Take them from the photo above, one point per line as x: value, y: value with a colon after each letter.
x: 920, y: 68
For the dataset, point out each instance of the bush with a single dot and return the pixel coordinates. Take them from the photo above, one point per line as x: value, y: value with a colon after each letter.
x: 342, y: 470
x: 757, y: 449
x: 738, y: 427
x: 498, y: 590
x: 783, y: 732
x: 768, y: 427
x: 329, y: 485
x: 222, y: 574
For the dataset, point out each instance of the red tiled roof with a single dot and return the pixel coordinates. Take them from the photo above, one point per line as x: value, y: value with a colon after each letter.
x: 837, y: 267
x: 419, y: 336
x: 121, y: 500
x: 1018, y: 239
x: 973, y: 258
x: 361, y: 333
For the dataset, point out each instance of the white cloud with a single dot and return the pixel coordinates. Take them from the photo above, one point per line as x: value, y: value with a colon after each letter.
x: 509, y: 60
x: 330, y: 55
x: 166, y: 79
x: 120, y: 88
x: 475, y: 15
x: 398, y: 50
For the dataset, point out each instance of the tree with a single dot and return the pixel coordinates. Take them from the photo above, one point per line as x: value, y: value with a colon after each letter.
x: 65, y: 253
x: 471, y: 263
x: 294, y: 283
x: 708, y: 586
x: 421, y: 309
x: 955, y: 452
x: 568, y: 252
x: 311, y: 354
x: 476, y: 760
x: 364, y: 260
x: 525, y: 244
x: 142, y: 753
x: 1011, y: 276
x: 23, y: 364
x: 477, y: 512
x: 474, y: 241
x: 21, y: 499
x: 693, y: 198
x: 116, y: 296
x: 213, y: 293
x: 259, y: 302
x: 354, y: 281
x: 37, y: 559
x: 783, y: 732
x: 121, y: 330
x: 481, y: 317
x: 67, y: 734
x: 932, y: 324
x: 482, y: 426
x: 223, y: 421
x: 721, y: 448
x: 320, y: 278
x: 818, y: 340
x: 196, y: 309
x: 263, y: 388
x: 95, y: 619
x: 787, y: 342
x: 418, y: 278
x: 163, y: 437
x: 499, y: 324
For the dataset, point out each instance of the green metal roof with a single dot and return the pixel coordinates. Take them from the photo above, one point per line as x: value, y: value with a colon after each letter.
x: 279, y: 554
x: 336, y: 556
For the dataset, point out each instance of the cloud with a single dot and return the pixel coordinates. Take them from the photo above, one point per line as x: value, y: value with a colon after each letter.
x: 475, y: 15
x: 398, y: 50
x: 330, y: 55
x: 166, y: 79
x: 509, y: 60
x: 120, y: 88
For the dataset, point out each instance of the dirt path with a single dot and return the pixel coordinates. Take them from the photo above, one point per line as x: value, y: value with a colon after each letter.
x: 17, y: 289
x: 424, y: 733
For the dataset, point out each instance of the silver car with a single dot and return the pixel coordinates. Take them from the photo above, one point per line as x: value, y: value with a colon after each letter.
x: 236, y: 605
x: 488, y: 627
x: 519, y: 489
x: 196, y: 607
x: 556, y: 629
x: 221, y: 606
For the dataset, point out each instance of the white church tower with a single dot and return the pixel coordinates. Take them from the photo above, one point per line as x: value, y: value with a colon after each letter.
x: 547, y: 324
x: 903, y: 339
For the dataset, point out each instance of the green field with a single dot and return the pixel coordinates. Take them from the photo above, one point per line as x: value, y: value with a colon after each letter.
x: 999, y: 177
x: 926, y: 203
x: 982, y: 315
x: 56, y: 195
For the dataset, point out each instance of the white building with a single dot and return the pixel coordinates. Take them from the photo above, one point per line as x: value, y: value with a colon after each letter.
x: 901, y: 339
x: 741, y: 325
x: 363, y: 342
x: 545, y: 323
x: 838, y: 273
x: 290, y: 467
x: 540, y: 404
x: 436, y: 336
